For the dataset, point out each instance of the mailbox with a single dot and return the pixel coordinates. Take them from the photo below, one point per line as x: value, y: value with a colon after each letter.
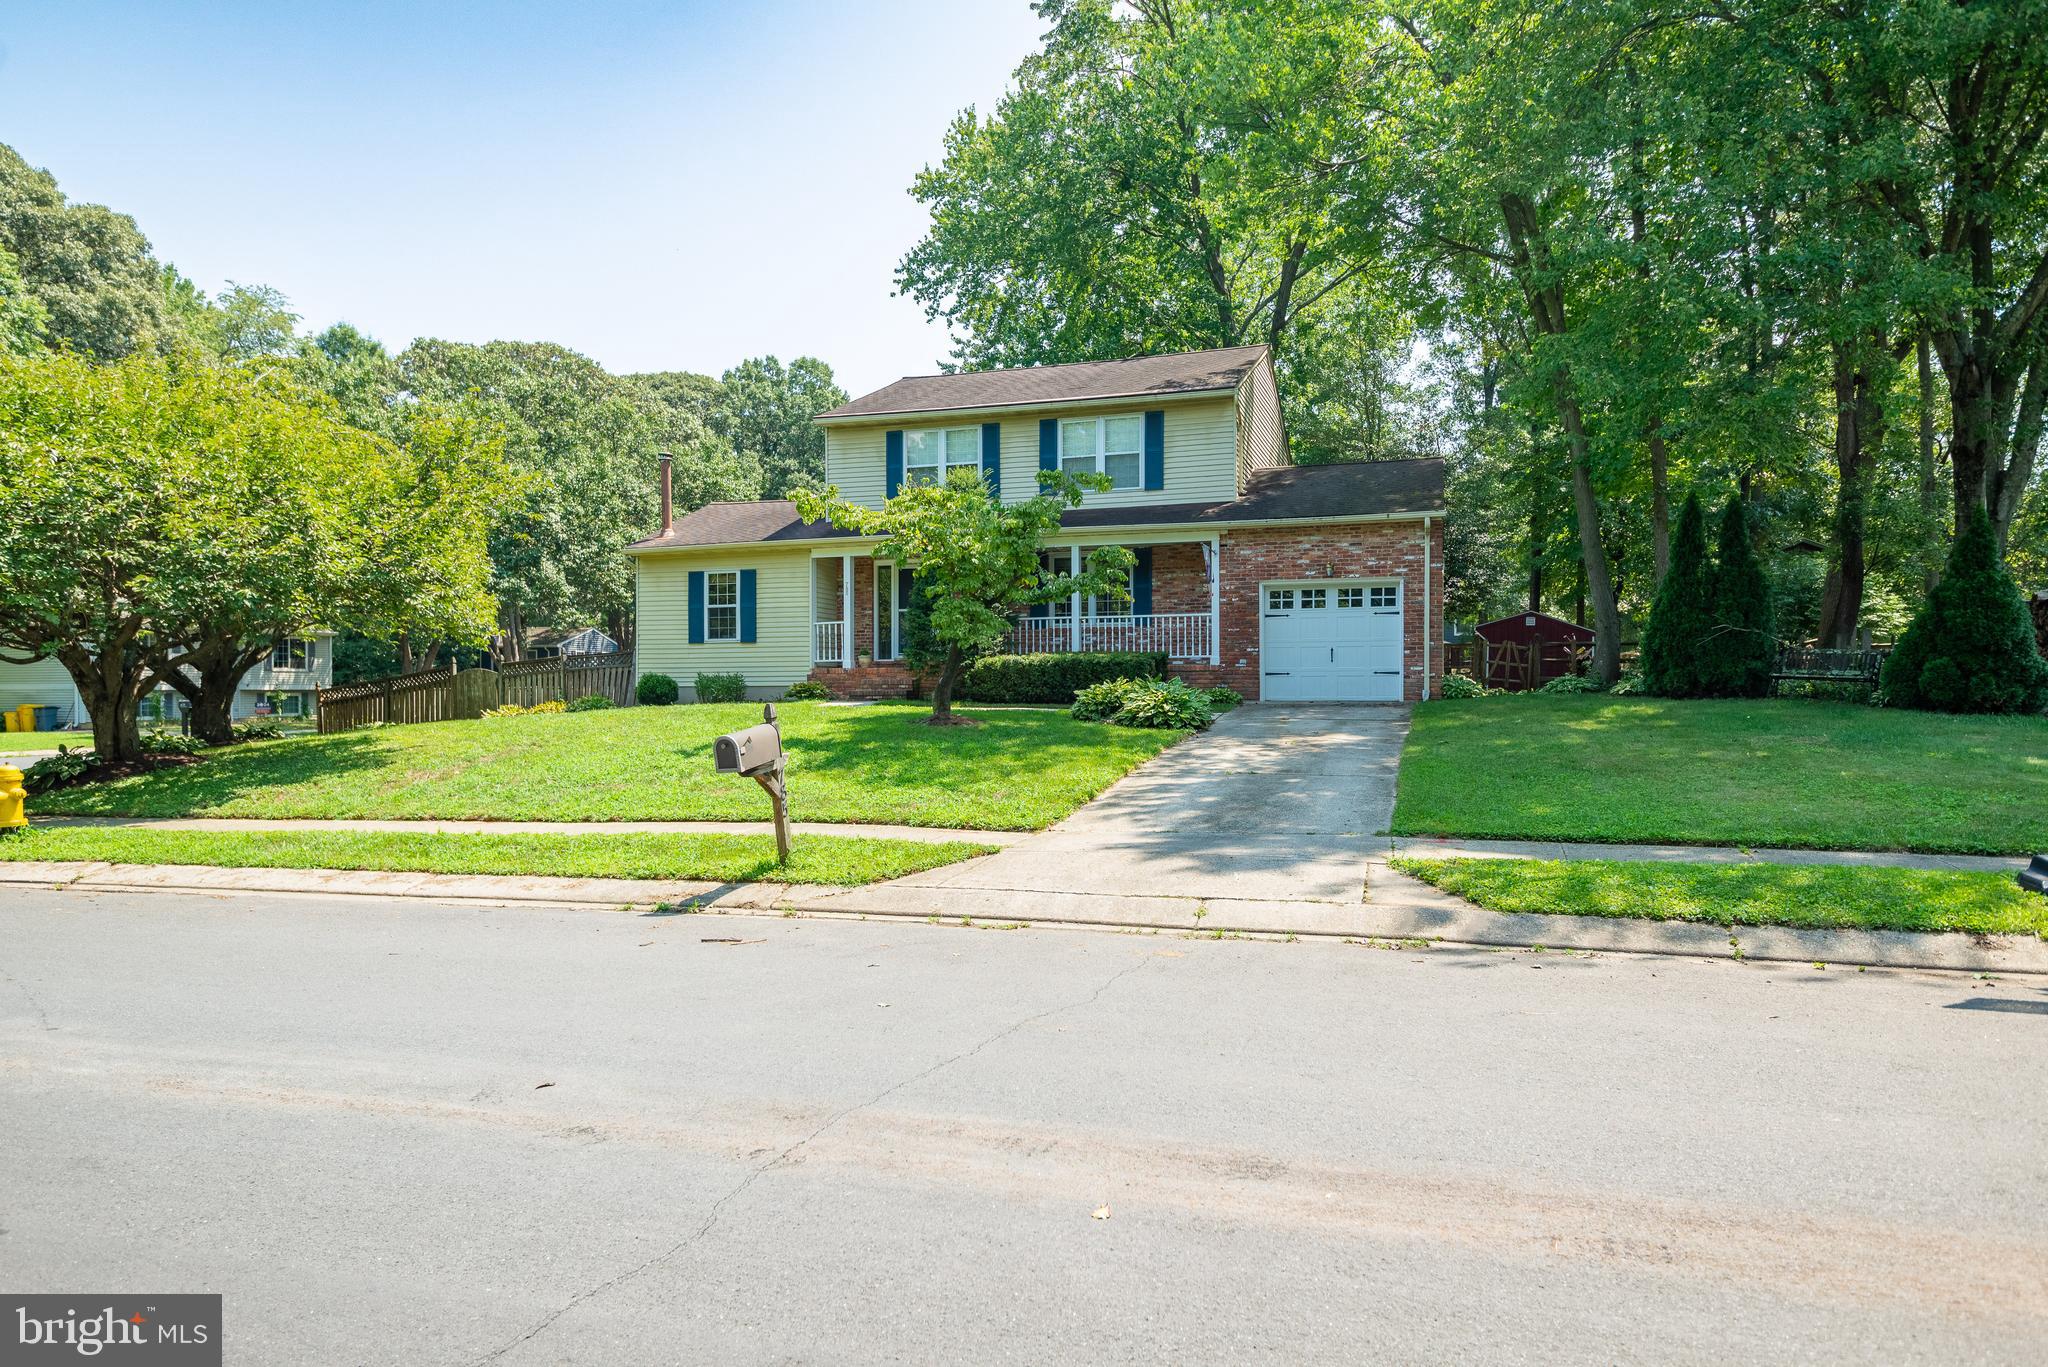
x: 749, y: 752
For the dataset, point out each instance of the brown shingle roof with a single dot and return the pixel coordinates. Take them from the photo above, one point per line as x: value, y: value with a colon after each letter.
x: 1358, y: 489
x: 1186, y: 372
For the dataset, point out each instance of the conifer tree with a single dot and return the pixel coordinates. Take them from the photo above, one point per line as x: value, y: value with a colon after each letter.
x: 1971, y: 649
x: 1683, y: 613
x: 1739, y: 654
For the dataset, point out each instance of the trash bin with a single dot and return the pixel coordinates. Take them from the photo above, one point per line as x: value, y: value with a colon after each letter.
x: 10, y: 720
x: 48, y: 716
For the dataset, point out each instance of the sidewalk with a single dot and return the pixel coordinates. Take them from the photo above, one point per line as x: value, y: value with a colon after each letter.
x: 1400, y: 913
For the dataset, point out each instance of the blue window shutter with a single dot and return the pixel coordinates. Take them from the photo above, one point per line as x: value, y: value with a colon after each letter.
x: 746, y: 606
x: 1141, y: 581
x: 892, y: 443
x: 696, y: 607
x: 992, y: 457
x: 1155, y: 448
x: 1048, y: 444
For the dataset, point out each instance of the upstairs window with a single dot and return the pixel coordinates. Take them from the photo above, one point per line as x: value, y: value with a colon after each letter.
x: 293, y: 652
x: 931, y: 456
x: 722, y: 605
x: 1105, y: 446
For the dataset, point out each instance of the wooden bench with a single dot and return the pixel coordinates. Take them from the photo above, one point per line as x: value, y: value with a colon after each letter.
x: 1809, y: 664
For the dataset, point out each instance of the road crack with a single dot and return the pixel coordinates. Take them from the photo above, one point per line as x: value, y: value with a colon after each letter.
x: 41, y: 1014
x: 710, y: 1221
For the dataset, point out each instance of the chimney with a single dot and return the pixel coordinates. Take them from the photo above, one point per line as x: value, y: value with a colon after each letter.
x: 668, y: 493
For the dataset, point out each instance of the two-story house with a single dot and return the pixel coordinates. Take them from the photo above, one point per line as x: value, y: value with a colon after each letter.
x: 1286, y: 582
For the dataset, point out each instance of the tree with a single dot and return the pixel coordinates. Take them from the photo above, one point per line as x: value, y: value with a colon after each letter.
x: 1972, y: 647
x: 1683, y: 617
x: 24, y: 322
x: 976, y: 560
x: 88, y: 267
x: 1156, y: 180
x: 1741, y: 651
x: 250, y: 322
x: 764, y: 410
x: 166, y: 519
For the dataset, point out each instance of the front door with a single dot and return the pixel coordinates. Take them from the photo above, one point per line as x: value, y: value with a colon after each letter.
x: 1330, y: 641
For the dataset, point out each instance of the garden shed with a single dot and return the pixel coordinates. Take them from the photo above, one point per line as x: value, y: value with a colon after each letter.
x: 1529, y: 649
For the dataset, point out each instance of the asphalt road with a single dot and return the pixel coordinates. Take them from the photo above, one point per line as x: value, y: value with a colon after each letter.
x: 407, y: 1133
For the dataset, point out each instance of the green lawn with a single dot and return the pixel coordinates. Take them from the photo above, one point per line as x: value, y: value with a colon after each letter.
x: 1018, y: 770
x: 1789, y: 773
x: 1832, y: 898
x: 713, y: 858
x: 29, y: 742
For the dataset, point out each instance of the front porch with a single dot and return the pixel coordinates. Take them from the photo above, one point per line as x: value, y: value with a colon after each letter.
x: 858, y: 603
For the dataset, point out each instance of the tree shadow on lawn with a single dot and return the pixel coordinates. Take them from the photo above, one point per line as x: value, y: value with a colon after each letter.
x: 221, y: 776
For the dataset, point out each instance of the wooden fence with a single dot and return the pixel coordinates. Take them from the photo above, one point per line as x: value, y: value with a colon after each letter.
x: 1518, y: 665
x: 448, y: 695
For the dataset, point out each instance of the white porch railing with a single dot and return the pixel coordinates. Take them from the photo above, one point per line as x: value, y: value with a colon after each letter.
x: 1182, y: 635
x: 828, y: 642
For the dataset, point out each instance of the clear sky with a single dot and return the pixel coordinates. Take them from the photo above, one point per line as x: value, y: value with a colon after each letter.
x: 660, y: 186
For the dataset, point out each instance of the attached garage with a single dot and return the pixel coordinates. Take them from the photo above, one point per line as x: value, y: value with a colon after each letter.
x: 1331, y: 641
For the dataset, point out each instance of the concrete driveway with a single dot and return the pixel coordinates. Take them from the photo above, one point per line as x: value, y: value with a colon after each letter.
x: 1278, y: 802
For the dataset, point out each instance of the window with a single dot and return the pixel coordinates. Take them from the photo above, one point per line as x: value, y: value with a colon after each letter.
x: 1350, y: 598
x: 291, y: 704
x: 932, y: 456
x: 722, y: 605
x: 888, y: 613
x: 1107, y: 446
x: 1385, y: 596
x: 1052, y: 563
x: 1315, y: 598
x: 293, y: 652
x: 1279, y: 600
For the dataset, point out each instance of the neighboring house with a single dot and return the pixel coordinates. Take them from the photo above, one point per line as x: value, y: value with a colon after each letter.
x: 547, y: 643
x: 1285, y: 582
x: 294, y: 669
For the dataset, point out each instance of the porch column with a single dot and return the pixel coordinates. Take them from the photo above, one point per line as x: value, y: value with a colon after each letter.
x: 1215, y: 600
x: 1074, y: 567
x: 846, y: 612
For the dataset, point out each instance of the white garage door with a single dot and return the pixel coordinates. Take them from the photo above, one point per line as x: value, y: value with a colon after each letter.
x: 1331, y: 641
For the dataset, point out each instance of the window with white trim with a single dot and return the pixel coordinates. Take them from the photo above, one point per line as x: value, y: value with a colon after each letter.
x: 1279, y: 600
x: 1313, y: 599
x: 722, y: 605
x: 931, y: 456
x: 1385, y: 596
x: 1351, y: 598
x: 293, y: 652
x: 1105, y: 446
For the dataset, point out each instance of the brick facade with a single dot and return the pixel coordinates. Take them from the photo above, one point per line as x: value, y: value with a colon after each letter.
x: 1364, y: 550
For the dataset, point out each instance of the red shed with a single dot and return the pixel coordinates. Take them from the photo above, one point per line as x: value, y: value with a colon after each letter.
x: 1507, y: 645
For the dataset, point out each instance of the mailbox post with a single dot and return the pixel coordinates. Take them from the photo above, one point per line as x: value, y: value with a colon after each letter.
x: 756, y: 753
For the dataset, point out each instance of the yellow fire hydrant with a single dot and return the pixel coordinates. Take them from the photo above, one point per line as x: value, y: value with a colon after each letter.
x: 13, y: 799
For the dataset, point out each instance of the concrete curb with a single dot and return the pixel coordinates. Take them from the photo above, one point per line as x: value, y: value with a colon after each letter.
x: 1401, y: 909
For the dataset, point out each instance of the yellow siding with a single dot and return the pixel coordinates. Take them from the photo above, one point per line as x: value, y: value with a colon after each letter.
x: 1201, y: 455
x: 1262, y: 440
x: 780, y: 653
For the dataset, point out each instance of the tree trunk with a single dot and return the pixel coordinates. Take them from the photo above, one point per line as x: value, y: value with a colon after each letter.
x: 1930, y: 486
x: 208, y: 676
x: 110, y: 685
x: 942, y: 691
x: 2009, y: 485
x: 1545, y: 296
x: 1535, y: 554
x: 1660, y: 510
x: 1859, y: 429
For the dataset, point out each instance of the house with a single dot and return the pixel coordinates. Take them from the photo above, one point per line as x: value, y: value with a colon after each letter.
x: 1284, y: 582
x: 548, y: 643
x: 283, y: 684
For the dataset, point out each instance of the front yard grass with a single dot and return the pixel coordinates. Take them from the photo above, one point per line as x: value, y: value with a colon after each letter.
x: 712, y: 858
x: 1788, y: 773
x: 1804, y: 897
x: 1017, y: 770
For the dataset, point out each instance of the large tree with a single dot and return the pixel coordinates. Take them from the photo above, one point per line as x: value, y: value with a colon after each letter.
x: 89, y: 268
x: 764, y: 409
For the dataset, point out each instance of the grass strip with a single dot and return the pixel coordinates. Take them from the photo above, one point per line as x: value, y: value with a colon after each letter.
x: 1805, y: 897
x: 1810, y: 775
x: 717, y: 858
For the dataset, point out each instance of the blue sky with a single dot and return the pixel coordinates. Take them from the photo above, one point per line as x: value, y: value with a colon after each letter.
x: 660, y: 186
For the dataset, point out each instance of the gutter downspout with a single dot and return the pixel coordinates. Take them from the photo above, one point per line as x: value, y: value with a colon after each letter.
x: 1426, y: 547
